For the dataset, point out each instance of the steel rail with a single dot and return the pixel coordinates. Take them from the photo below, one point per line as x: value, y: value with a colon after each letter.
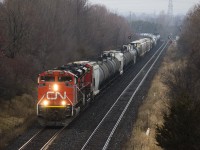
x: 48, y: 143
x: 51, y: 140
x: 130, y: 100
x: 90, y: 137
x: 31, y: 139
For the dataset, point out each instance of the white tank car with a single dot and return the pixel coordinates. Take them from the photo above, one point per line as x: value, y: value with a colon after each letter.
x: 119, y: 57
x: 130, y: 54
x: 148, y: 44
x: 108, y: 67
x: 140, y: 46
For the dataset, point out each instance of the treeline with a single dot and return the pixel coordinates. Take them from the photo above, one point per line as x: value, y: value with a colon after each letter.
x: 36, y: 35
x: 141, y: 26
x: 160, y: 23
x: 181, y: 127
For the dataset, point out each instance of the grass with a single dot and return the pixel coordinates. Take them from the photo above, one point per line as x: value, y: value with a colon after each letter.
x: 15, y: 117
x: 150, y: 112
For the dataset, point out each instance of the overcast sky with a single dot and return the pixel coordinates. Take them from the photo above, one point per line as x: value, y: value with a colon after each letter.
x: 146, y: 6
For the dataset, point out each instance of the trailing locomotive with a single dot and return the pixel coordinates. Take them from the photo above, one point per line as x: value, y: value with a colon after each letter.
x: 66, y: 90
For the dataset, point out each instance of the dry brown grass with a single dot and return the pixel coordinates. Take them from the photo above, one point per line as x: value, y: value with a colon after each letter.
x: 150, y: 112
x: 15, y: 117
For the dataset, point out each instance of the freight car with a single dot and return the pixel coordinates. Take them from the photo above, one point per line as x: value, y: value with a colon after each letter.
x: 153, y: 37
x: 142, y: 46
x: 65, y: 91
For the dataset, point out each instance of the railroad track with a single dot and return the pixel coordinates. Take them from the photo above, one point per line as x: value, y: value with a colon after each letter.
x: 102, y: 134
x: 45, y: 137
x: 42, y: 139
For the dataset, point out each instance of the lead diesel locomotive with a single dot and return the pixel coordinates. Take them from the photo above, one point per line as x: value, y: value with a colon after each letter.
x: 65, y: 91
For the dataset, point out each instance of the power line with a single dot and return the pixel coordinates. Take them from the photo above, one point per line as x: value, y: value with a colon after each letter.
x: 170, y: 9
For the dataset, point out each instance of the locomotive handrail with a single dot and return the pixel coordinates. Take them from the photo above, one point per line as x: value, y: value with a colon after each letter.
x: 39, y: 102
x: 85, y: 85
x: 80, y: 91
x: 69, y: 100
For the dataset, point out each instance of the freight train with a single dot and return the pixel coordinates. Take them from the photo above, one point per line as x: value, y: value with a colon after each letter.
x: 65, y: 91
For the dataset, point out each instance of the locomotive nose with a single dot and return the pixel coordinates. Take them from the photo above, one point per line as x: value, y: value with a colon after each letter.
x: 55, y: 114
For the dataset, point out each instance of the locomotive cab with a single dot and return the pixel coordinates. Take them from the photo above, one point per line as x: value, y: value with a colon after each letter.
x: 55, y: 95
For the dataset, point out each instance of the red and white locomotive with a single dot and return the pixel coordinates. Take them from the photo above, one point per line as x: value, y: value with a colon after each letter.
x: 66, y: 90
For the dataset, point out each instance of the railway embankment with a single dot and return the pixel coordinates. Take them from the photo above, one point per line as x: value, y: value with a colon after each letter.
x: 86, y: 122
x: 150, y: 113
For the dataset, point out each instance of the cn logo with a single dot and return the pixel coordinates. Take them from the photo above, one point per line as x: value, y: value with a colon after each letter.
x: 55, y: 95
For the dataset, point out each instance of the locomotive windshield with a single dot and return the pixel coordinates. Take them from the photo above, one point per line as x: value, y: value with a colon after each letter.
x: 64, y: 79
x: 47, y: 78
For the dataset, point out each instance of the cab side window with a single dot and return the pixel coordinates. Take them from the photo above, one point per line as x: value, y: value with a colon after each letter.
x: 64, y: 79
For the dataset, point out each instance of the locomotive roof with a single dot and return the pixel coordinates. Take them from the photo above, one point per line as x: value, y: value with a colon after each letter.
x: 76, y: 68
x: 138, y: 41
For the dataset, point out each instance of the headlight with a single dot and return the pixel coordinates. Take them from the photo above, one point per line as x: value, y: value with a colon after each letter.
x: 63, y: 103
x: 45, y: 102
x: 55, y: 87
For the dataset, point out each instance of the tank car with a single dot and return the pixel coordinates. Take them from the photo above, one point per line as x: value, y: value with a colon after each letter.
x: 130, y: 54
x: 140, y: 46
x: 118, y: 55
x: 148, y: 42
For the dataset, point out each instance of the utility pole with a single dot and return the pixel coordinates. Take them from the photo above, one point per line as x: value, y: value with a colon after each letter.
x: 170, y: 12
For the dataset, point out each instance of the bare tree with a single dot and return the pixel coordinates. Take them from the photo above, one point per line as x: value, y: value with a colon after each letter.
x: 43, y: 34
x: 15, y: 28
